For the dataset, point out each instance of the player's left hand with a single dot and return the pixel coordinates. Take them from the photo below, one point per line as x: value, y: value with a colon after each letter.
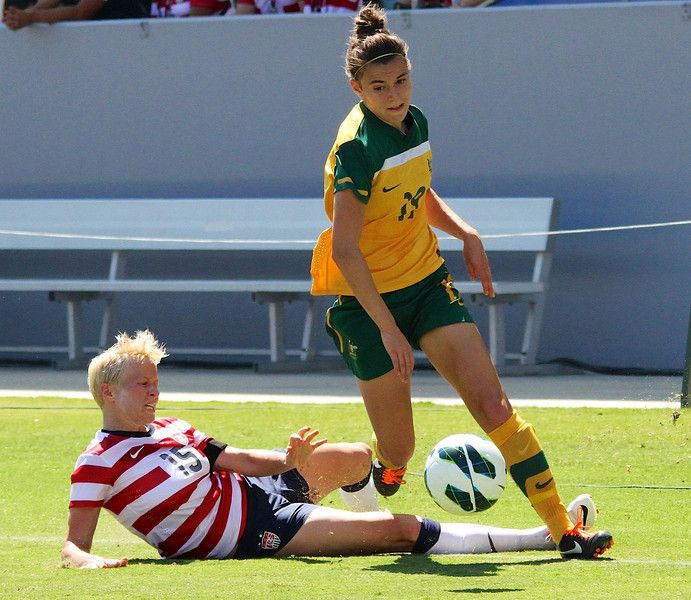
x: 477, y: 263
x: 301, y: 445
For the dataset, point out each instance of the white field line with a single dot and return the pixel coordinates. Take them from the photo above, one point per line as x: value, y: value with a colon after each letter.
x: 327, y: 399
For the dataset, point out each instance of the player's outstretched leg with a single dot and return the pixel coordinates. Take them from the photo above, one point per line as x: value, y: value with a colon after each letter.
x: 331, y: 532
x: 468, y: 538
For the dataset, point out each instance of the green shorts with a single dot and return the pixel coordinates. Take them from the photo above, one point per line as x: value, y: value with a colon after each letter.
x: 417, y: 309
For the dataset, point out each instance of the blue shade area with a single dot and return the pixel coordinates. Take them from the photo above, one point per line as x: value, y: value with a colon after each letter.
x: 460, y: 498
x: 482, y: 503
x: 464, y: 500
x: 481, y: 464
x: 456, y: 456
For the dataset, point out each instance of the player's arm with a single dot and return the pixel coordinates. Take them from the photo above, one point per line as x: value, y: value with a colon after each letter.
x: 48, y: 11
x: 441, y: 216
x: 80, y: 535
x: 348, y: 218
x: 258, y: 463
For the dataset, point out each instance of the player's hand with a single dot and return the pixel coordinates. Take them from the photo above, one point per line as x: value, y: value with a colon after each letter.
x: 105, y: 563
x: 15, y: 18
x: 83, y: 560
x: 477, y: 263
x: 301, y: 445
x: 400, y: 351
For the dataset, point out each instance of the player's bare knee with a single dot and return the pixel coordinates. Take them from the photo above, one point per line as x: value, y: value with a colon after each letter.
x: 363, y: 457
x: 359, y: 461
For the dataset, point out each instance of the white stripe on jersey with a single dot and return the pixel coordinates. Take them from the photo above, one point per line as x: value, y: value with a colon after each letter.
x: 404, y: 157
x: 88, y: 491
x: 157, y: 487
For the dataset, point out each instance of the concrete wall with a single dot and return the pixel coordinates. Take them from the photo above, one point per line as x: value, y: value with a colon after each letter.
x: 588, y: 103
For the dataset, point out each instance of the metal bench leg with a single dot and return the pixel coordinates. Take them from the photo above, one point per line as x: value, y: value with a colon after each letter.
x: 106, y: 323
x: 308, y: 349
x: 497, y: 334
x: 75, y: 345
x: 531, y: 335
x: 277, y: 331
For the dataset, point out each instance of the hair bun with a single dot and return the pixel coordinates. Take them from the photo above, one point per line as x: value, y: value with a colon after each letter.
x: 370, y: 21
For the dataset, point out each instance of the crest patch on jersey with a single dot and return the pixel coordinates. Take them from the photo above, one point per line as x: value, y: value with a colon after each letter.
x: 270, y: 541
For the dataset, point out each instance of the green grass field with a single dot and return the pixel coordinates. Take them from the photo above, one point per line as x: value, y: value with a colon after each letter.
x: 627, y: 459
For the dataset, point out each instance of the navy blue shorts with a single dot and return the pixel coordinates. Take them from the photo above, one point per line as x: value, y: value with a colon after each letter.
x: 277, y: 507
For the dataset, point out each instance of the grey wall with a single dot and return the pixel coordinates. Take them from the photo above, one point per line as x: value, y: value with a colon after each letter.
x: 590, y: 104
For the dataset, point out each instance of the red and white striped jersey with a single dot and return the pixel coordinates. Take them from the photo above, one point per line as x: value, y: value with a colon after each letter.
x: 159, y: 486
x: 332, y: 6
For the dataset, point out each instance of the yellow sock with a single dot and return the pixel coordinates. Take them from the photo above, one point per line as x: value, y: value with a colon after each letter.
x: 528, y: 467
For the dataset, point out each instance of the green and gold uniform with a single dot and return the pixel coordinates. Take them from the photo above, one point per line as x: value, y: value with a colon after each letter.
x: 390, y: 172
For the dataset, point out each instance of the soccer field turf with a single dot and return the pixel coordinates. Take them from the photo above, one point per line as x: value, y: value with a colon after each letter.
x: 634, y: 462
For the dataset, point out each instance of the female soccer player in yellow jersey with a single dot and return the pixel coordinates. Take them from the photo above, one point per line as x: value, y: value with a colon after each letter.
x: 381, y: 258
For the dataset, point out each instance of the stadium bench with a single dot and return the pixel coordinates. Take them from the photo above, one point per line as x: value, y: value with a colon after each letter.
x: 124, y: 228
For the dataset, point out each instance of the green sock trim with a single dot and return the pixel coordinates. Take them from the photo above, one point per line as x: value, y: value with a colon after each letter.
x: 530, y: 467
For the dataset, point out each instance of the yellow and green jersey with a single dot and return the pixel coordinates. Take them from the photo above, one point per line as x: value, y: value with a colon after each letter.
x: 389, y: 171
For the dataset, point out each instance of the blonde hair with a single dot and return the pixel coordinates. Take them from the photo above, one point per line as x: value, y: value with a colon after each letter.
x: 108, y: 366
x: 370, y: 41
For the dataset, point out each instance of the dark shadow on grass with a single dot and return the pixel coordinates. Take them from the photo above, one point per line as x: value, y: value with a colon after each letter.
x: 161, y: 561
x: 314, y: 560
x: 408, y: 564
x: 412, y: 564
x: 310, y: 560
x: 486, y: 590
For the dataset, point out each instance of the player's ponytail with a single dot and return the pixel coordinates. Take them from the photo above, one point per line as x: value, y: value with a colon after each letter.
x: 370, y: 40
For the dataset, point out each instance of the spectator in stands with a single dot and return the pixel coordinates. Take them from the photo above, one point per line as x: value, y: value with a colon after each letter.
x: 267, y: 7
x: 208, y: 8
x: 54, y: 11
x: 332, y: 6
x: 405, y: 4
x: 170, y: 8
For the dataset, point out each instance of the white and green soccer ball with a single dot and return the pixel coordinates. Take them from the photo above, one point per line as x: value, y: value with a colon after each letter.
x: 465, y: 473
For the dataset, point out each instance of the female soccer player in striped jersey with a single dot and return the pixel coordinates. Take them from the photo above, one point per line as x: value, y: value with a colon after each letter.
x: 191, y: 496
x: 381, y: 258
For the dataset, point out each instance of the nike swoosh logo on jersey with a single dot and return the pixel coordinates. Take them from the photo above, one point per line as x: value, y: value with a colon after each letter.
x: 135, y: 454
x: 575, y: 550
x: 390, y: 189
x: 541, y: 486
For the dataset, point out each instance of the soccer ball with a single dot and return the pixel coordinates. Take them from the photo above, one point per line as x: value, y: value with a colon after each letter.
x: 465, y: 473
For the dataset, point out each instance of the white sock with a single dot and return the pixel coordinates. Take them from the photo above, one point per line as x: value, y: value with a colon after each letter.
x: 469, y: 538
x: 364, y: 500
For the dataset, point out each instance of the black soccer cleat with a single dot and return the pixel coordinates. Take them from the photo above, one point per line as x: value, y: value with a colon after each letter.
x: 578, y: 543
x: 387, y: 481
